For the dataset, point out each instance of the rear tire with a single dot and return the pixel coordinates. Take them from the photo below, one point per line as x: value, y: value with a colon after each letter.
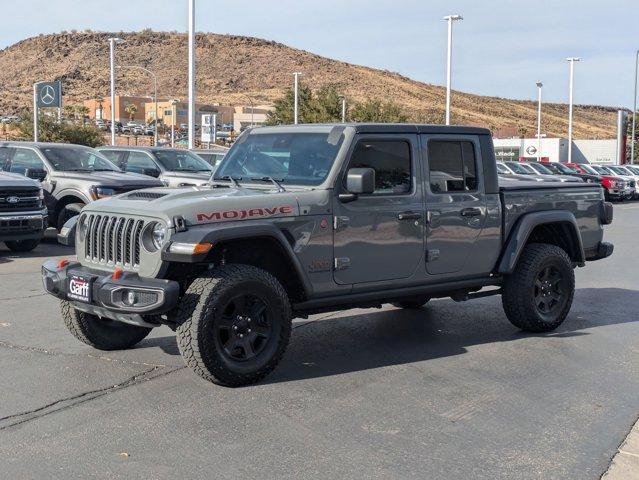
x: 67, y: 212
x: 22, y: 245
x: 538, y: 295
x: 411, y: 304
x: 234, y: 325
x: 99, y: 333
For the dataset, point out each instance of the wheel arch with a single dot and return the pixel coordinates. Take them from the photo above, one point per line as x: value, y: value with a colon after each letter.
x: 261, y: 245
x: 67, y: 198
x: 558, y: 227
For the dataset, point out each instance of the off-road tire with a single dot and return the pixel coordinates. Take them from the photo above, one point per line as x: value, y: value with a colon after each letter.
x: 22, y: 245
x: 518, y: 295
x: 411, y: 304
x: 99, y: 333
x: 200, y: 309
x: 68, y: 211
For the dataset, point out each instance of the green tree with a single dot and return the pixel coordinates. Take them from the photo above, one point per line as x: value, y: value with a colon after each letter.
x: 322, y: 106
x: 49, y: 130
x: 378, y: 112
x: 131, y: 109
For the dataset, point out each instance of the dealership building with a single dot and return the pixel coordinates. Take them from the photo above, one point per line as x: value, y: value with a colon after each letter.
x: 556, y: 150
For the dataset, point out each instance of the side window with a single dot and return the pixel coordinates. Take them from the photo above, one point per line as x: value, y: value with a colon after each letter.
x: 391, y: 161
x: 5, y: 154
x: 24, y: 159
x: 114, y: 155
x: 452, y: 166
x: 140, y: 162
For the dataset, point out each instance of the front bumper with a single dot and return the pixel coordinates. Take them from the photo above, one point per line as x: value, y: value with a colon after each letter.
x: 604, y: 250
x: 22, y: 226
x: 126, y: 299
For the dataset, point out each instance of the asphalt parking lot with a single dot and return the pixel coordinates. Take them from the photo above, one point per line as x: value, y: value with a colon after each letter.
x: 452, y: 391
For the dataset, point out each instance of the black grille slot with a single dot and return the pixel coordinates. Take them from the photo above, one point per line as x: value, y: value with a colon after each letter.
x: 113, y: 240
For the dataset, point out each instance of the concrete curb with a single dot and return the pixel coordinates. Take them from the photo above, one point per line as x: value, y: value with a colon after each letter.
x: 625, y: 464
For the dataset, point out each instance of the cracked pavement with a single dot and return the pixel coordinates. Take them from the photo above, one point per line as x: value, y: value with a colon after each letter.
x: 452, y: 391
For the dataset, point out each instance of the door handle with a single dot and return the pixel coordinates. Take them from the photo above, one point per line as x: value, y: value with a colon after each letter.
x: 409, y: 216
x: 470, y: 212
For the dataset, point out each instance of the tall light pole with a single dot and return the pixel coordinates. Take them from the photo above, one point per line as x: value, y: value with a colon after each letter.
x: 343, y: 109
x: 539, y: 87
x: 173, y: 120
x: 191, y: 74
x: 450, y: 19
x: 296, y: 94
x: 572, y: 61
x: 634, y: 111
x: 252, y: 108
x: 155, y: 94
x: 112, y: 42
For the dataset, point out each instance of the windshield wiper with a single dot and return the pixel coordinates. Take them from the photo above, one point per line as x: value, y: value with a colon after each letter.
x: 277, y: 183
x: 234, y: 180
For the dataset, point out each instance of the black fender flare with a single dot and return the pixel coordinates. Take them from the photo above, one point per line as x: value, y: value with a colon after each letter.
x: 521, y: 231
x: 223, y: 232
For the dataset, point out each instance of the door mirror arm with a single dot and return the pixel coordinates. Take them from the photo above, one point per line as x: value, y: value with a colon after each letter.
x: 347, y: 197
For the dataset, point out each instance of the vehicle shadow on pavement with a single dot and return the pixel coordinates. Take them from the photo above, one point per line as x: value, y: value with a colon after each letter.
x: 361, y: 340
x: 47, y: 249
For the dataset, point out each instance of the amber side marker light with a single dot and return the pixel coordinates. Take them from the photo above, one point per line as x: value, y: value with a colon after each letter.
x: 190, y: 248
x: 117, y: 274
x: 62, y: 263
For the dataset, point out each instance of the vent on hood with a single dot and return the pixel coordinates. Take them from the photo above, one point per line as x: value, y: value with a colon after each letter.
x: 148, y: 196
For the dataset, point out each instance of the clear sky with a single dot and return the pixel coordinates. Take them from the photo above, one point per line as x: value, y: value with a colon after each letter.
x: 501, y: 47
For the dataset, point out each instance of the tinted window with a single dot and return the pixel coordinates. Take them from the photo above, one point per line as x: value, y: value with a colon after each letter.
x: 140, y: 162
x: 181, y: 161
x: 74, y: 159
x: 24, y: 159
x: 5, y: 153
x: 452, y: 166
x: 501, y: 168
x: 391, y: 162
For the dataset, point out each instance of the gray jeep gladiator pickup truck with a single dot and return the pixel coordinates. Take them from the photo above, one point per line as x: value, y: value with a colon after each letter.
x: 23, y: 216
x: 313, y: 218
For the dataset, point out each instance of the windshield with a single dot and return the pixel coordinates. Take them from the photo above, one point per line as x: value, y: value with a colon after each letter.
x: 603, y: 170
x: 564, y: 169
x: 501, y: 168
x: 634, y: 170
x: 620, y: 170
x: 540, y: 169
x: 589, y: 169
x: 77, y: 159
x: 181, y: 161
x: 300, y: 158
x: 519, y: 168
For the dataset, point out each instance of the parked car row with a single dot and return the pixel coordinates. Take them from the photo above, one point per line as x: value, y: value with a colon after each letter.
x: 619, y: 182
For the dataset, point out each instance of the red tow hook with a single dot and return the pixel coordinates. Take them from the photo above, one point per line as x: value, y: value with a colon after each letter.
x: 117, y: 274
x: 62, y: 263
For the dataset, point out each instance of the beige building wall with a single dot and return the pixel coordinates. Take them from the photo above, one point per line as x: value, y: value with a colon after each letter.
x: 101, y: 109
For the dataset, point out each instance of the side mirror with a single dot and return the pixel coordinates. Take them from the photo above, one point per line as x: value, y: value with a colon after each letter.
x: 360, y: 180
x: 151, y: 172
x: 36, y: 174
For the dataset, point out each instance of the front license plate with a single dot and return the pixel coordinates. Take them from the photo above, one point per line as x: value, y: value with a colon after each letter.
x: 79, y: 288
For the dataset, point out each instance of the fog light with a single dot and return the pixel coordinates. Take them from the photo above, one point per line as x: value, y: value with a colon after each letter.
x: 130, y: 298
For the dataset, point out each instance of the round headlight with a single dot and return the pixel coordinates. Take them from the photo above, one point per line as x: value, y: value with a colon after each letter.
x: 159, y: 235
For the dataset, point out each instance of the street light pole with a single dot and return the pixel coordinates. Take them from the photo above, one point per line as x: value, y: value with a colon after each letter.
x: 343, y: 109
x: 112, y: 42
x: 634, y: 112
x: 173, y: 121
x: 572, y: 61
x: 155, y: 94
x: 191, y: 74
x: 252, y: 108
x: 450, y: 19
x: 539, y: 87
x: 296, y: 107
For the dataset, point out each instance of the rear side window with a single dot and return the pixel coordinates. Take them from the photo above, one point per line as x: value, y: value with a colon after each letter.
x: 452, y: 166
x: 25, y: 159
x: 139, y: 162
x: 391, y: 161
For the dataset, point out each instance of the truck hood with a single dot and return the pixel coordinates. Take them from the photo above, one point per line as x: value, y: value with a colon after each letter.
x: 195, y: 176
x: 112, y: 179
x: 202, y: 205
x: 11, y: 180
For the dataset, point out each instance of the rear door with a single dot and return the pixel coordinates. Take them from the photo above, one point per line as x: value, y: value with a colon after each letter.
x: 455, y: 201
x: 380, y: 237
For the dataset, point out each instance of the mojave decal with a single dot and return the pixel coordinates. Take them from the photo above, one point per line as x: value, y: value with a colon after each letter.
x: 238, y: 214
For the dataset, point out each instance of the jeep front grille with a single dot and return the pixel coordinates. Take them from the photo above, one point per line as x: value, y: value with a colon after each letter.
x: 113, y: 240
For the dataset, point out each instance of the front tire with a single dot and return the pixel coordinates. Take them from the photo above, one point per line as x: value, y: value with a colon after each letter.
x: 234, y: 325
x: 99, y: 333
x: 538, y: 295
x: 22, y: 246
x: 67, y: 212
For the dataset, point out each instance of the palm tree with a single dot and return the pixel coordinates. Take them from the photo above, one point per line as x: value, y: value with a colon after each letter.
x: 131, y: 109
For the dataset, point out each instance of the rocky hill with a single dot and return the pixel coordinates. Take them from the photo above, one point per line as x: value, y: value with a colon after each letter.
x: 230, y: 67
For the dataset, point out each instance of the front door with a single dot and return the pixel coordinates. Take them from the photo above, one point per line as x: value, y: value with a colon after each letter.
x: 455, y: 200
x: 380, y: 236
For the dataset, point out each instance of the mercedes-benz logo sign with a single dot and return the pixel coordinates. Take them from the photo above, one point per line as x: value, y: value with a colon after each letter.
x: 47, y: 95
x: 13, y: 199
